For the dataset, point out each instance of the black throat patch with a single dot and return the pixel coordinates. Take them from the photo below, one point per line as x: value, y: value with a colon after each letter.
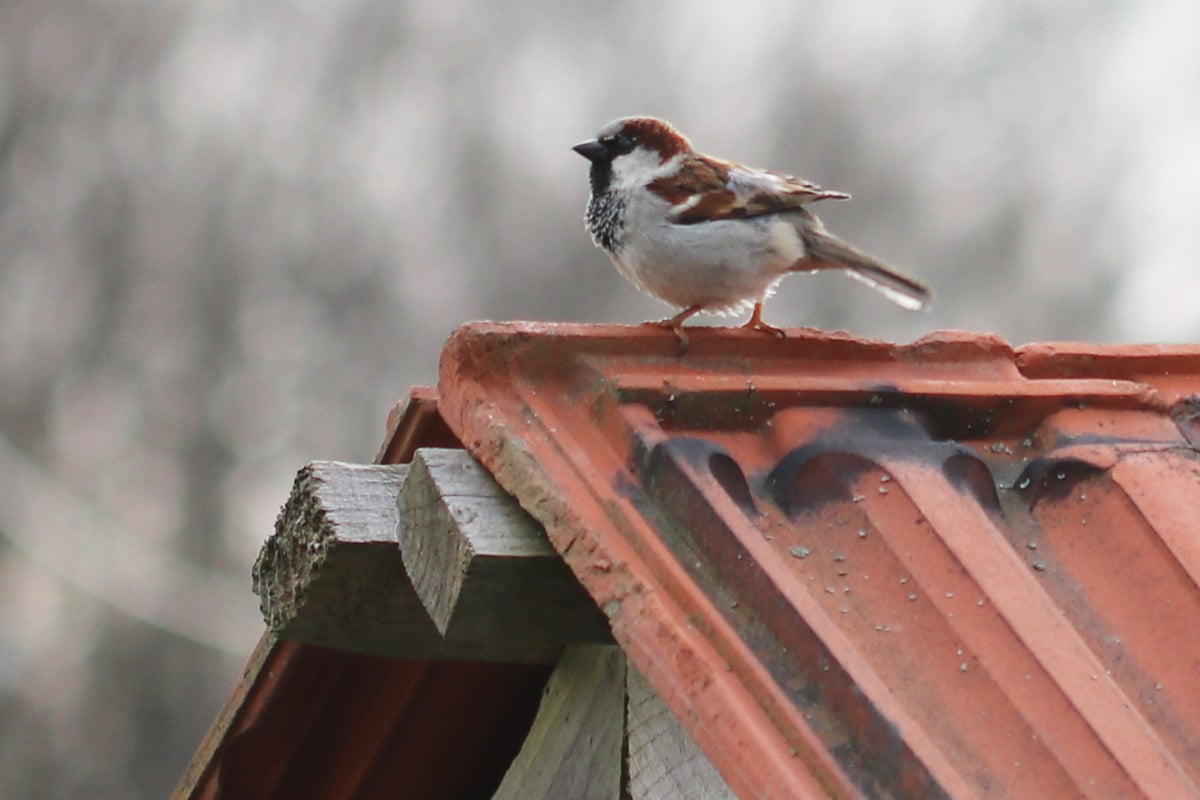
x: 605, y: 209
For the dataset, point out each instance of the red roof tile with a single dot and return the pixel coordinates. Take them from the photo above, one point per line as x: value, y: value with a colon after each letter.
x: 944, y: 568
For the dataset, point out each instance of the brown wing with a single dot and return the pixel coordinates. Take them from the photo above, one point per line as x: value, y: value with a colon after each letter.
x: 709, y: 189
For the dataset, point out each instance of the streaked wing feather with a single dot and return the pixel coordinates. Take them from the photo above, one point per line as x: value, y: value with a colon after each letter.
x: 710, y: 189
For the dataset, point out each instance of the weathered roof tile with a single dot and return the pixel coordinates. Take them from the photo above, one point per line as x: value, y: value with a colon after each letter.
x: 945, y: 568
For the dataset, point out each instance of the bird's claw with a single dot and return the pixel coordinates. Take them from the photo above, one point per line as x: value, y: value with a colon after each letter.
x: 756, y: 323
x: 675, y: 328
x: 765, y: 328
x: 675, y: 325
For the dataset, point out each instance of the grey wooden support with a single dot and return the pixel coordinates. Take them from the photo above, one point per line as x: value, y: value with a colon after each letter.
x: 593, y: 702
x: 481, y: 565
x: 663, y: 759
x: 574, y: 746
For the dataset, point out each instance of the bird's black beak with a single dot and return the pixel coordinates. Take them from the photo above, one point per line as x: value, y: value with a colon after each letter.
x: 592, y: 150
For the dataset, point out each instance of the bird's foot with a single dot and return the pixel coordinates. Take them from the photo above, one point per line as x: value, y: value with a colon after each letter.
x: 756, y: 323
x: 675, y: 325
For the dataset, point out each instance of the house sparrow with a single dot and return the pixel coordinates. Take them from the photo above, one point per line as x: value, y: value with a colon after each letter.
x: 709, y: 235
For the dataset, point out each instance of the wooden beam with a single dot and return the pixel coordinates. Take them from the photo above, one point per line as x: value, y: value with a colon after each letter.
x: 332, y: 573
x: 482, y: 566
x: 663, y: 759
x: 574, y: 746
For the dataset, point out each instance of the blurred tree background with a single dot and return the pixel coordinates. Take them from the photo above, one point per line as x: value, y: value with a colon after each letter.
x: 232, y: 235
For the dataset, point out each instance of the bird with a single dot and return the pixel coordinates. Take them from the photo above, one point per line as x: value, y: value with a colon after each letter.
x: 704, y: 234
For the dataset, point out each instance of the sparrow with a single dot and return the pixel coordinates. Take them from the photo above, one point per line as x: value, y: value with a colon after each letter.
x: 704, y: 234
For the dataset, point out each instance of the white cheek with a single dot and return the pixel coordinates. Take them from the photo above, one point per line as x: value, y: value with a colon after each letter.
x: 636, y: 169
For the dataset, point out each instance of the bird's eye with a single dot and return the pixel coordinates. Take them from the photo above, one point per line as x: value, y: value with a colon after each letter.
x: 620, y: 144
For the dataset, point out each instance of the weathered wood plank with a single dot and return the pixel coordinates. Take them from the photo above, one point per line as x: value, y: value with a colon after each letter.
x: 663, y: 759
x: 482, y: 566
x: 574, y: 746
x: 332, y: 573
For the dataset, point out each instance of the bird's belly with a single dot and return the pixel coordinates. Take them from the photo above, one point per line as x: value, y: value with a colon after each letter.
x: 721, y: 266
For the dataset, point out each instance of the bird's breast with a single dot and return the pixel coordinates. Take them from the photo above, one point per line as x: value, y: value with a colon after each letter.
x: 718, y: 265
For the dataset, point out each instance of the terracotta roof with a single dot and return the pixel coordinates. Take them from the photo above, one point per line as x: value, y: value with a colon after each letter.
x: 940, y: 569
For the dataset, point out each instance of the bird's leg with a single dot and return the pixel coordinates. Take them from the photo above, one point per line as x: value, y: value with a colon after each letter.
x: 756, y: 323
x: 675, y: 325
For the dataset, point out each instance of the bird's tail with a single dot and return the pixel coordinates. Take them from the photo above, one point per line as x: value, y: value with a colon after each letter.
x: 826, y: 251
